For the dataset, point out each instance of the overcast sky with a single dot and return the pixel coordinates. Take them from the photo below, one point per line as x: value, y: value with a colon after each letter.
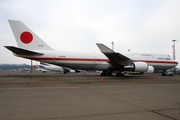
x: 143, y: 26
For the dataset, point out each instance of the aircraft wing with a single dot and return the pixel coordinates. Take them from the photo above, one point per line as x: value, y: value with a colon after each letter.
x: 20, y: 51
x: 115, y: 58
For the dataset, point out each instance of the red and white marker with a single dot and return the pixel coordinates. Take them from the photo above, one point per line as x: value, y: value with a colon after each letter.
x: 26, y: 37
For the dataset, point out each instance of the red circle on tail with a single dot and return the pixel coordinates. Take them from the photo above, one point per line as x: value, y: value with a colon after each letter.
x: 26, y: 37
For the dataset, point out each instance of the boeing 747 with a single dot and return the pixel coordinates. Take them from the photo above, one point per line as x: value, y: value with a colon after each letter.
x: 30, y: 46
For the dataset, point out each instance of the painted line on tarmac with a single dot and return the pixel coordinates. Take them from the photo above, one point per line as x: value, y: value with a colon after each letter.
x: 89, y: 86
x: 142, y: 84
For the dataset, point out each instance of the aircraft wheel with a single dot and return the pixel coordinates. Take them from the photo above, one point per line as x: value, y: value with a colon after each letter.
x: 103, y: 73
x: 163, y: 74
x: 120, y: 74
x: 109, y: 74
x: 117, y: 74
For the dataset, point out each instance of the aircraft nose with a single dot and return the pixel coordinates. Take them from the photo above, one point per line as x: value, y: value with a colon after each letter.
x: 176, y: 63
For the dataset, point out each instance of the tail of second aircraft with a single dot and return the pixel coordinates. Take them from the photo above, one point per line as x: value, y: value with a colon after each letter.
x: 35, y: 67
x: 26, y: 38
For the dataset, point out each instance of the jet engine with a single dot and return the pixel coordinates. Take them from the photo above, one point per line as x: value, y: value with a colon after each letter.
x: 141, y: 67
x: 150, y: 70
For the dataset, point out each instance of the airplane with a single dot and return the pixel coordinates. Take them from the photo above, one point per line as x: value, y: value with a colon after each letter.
x: 55, y: 68
x: 30, y: 46
x: 40, y: 69
x: 51, y: 67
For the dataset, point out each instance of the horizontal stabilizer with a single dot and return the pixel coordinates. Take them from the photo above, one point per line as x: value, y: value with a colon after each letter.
x: 20, y: 51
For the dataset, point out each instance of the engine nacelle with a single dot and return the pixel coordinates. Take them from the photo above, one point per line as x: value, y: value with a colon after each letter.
x: 140, y: 67
x: 150, y: 70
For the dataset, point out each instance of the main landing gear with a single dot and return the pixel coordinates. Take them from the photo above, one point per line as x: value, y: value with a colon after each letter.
x: 106, y: 73
x: 109, y: 73
x: 120, y: 74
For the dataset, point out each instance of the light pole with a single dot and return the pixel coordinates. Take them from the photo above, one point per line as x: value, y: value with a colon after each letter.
x: 174, y: 49
x: 174, y: 53
x: 112, y: 45
x: 31, y: 66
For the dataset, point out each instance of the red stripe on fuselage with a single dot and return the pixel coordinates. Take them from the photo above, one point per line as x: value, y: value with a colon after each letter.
x: 167, y: 62
x: 70, y: 59
x: 98, y: 60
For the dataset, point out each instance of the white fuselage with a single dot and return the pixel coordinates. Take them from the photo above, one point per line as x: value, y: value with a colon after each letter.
x: 98, y: 61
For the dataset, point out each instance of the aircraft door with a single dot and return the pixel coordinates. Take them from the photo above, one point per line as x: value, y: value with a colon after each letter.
x: 53, y: 59
x: 94, y: 60
x: 152, y: 55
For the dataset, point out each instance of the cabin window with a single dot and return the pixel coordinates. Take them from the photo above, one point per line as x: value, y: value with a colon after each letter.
x: 160, y: 58
x: 146, y: 54
x: 167, y: 58
x: 62, y: 56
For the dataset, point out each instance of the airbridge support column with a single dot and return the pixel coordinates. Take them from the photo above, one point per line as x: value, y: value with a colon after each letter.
x: 31, y: 66
x: 174, y: 56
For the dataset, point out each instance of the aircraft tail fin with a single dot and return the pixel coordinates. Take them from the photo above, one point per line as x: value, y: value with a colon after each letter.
x: 26, y: 38
x: 35, y: 67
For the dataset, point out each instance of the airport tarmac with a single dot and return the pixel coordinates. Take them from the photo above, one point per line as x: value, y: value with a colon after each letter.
x: 76, y: 96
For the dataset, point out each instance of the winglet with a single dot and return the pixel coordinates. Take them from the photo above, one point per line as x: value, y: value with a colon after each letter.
x: 104, y: 49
